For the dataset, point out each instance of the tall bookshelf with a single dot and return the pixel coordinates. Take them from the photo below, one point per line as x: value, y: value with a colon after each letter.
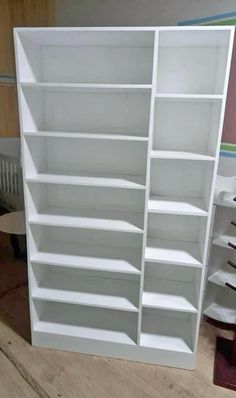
x: 120, y: 132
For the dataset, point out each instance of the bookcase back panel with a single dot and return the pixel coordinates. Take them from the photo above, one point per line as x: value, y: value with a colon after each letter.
x: 86, y: 322
x: 88, y: 112
x: 76, y: 197
x: 184, y: 228
x: 186, y: 126
x: 196, y: 65
x: 106, y: 157
x: 179, y: 178
x: 62, y: 235
x: 87, y: 57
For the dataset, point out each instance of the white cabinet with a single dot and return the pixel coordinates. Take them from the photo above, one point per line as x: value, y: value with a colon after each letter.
x: 120, y: 135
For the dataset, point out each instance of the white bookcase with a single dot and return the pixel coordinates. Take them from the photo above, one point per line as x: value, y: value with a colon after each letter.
x: 120, y: 132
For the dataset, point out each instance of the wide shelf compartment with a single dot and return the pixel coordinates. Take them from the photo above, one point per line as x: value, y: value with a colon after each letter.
x: 186, y: 129
x: 61, y: 161
x: 167, y: 330
x: 88, y: 288
x: 85, y: 322
x: 85, y: 218
x: 198, y: 58
x: 102, y: 110
x: 175, y: 239
x: 182, y: 180
x: 86, y: 249
x: 170, y: 287
x: 86, y: 207
x: 70, y: 56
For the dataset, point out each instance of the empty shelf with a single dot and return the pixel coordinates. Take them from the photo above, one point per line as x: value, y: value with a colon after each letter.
x: 115, y: 181
x: 101, y: 258
x: 170, y: 205
x: 173, y: 252
x: 93, y: 136
x: 221, y: 312
x: 88, y: 291
x: 223, y: 275
x: 223, y: 241
x: 89, y: 87
x: 180, y: 155
x: 169, y: 295
x: 166, y: 333
x: 90, y: 219
x: 195, y: 97
x: 88, y: 323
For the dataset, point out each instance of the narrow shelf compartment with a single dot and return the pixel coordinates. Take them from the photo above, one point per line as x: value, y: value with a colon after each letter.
x: 87, y: 163
x: 166, y: 330
x: 223, y: 275
x: 186, y: 128
x: 169, y: 295
x: 220, y: 304
x: 83, y: 288
x: 169, y: 205
x: 171, y: 287
x: 198, y: 58
x: 89, y: 136
x: 69, y: 56
x: 85, y: 322
x: 86, y: 249
x: 182, y: 179
x: 175, y: 239
x: 90, y: 219
x: 173, y: 252
x: 180, y: 155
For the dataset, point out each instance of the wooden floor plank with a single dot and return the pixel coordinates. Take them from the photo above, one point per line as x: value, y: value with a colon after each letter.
x: 12, y: 384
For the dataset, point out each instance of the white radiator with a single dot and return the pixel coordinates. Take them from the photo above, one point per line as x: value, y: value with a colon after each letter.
x: 11, y: 192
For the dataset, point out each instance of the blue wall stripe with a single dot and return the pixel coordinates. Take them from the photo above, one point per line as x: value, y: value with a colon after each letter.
x: 227, y: 154
x: 207, y: 19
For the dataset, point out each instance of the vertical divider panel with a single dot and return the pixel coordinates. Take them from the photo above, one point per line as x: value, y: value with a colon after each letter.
x: 148, y: 168
x: 18, y: 52
x: 210, y: 213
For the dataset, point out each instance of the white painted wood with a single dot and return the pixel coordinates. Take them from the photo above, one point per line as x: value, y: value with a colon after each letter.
x: 169, y: 205
x: 173, y: 252
x: 223, y: 241
x: 125, y: 181
x: 95, y: 136
x: 110, y: 221
x: 97, y: 324
x: 223, y: 275
x: 120, y: 147
x: 180, y: 155
x: 169, y: 295
x: 161, y: 330
x: 65, y: 286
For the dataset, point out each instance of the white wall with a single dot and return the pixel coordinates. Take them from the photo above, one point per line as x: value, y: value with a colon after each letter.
x: 136, y: 12
x: 10, y: 146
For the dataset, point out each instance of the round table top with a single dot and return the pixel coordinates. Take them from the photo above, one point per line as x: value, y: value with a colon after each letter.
x: 13, y: 223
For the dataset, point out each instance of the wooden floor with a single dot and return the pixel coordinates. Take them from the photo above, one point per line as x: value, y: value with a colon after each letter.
x: 30, y: 372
